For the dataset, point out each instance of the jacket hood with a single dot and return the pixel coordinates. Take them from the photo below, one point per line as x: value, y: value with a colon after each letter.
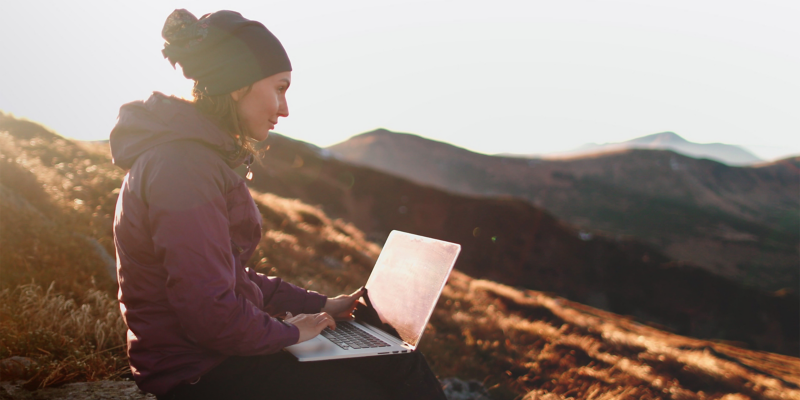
x: 160, y: 119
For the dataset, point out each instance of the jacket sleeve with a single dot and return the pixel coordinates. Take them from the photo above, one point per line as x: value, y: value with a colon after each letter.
x: 281, y: 296
x: 190, y: 231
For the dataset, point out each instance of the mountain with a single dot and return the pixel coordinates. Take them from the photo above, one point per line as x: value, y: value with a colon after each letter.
x: 739, y: 222
x: 517, y: 342
x: 724, y: 153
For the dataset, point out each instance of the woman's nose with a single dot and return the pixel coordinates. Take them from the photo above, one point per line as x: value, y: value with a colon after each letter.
x: 283, y: 109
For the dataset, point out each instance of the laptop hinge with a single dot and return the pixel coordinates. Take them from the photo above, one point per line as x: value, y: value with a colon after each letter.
x: 397, y: 341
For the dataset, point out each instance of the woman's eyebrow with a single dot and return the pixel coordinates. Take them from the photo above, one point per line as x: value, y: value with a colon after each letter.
x: 286, y: 80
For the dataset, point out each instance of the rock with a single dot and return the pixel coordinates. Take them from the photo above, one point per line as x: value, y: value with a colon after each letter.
x: 332, y: 262
x: 111, y: 390
x: 456, y: 389
x: 109, y: 262
x: 15, y: 368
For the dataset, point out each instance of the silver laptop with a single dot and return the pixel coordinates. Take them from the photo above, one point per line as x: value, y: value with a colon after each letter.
x: 401, y: 293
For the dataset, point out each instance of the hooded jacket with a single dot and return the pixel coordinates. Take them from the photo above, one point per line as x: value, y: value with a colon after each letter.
x: 184, y: 227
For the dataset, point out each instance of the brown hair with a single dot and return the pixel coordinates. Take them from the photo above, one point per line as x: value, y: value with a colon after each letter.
x: 222, y: 109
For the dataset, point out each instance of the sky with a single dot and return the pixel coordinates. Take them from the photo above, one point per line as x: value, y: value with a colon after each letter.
x: 523, y: 77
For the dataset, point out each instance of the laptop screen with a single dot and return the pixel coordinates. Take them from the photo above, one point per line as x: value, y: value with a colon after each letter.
x: 407, y: 280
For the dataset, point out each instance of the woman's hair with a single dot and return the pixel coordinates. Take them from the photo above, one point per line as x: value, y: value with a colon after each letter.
x: 222, y: 109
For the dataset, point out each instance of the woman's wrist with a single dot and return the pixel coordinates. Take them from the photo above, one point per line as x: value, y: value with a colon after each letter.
x: 289, y: 324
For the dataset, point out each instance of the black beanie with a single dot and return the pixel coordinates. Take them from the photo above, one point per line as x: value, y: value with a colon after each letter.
x: 222, y: 51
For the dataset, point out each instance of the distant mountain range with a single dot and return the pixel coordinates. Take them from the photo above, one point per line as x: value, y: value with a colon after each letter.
x: 724, y: 153
x: 740, y: 222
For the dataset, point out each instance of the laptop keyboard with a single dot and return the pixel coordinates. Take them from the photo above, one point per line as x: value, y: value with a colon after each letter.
x: 349, y: 337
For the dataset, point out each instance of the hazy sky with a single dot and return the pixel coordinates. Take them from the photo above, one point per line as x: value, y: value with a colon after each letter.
x: 492, y: 76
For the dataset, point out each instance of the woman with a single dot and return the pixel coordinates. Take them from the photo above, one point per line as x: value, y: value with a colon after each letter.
x: 201, y: 325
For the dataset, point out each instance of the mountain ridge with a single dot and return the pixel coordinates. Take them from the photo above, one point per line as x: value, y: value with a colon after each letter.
x: 725, y: 153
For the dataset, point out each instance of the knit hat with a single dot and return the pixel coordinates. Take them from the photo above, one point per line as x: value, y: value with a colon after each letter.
x: 222, y: 51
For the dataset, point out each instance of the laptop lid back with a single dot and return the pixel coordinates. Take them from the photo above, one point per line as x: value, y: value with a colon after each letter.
x: 407, y: 280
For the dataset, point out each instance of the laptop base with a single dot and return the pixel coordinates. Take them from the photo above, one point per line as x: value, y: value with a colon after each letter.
x: 320, y: 348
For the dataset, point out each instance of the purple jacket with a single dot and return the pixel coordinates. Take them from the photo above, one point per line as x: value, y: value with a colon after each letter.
x: 185, y: 225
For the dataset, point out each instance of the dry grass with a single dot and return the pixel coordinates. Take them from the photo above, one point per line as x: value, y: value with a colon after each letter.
x: 70, y: 340
x: 520, y: 343
x: 574, y: 351
x: 71, y: 184
x: 55, y: 197
x: 301, y: 244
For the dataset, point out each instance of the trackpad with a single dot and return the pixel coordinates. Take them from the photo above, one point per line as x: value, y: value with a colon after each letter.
x: 317, y: 348
x: 311, y: 346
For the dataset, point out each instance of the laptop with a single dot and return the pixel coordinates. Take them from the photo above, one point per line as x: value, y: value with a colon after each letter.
x: 401, y: 293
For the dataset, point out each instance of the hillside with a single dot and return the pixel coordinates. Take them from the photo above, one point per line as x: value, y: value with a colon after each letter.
x: 510, y: 241
x: 55, y: 199
x: 740, y: 222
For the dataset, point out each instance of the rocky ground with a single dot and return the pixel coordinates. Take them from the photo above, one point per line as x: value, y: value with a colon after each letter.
x: 455, y: 389
x: 116, y: 390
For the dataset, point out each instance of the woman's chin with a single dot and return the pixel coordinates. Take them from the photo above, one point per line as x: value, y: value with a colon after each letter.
x: 260, y: 136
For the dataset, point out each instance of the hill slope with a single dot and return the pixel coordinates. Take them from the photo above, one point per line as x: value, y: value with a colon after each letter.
x: 510, y: 241
x: 743, y: 223
x: 520, y: 343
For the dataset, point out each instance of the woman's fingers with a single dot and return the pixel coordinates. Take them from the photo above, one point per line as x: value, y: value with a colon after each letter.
x: 325, y: 320
x: 310, y: 325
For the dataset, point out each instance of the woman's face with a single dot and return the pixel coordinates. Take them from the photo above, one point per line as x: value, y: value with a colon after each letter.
x: 260, y: 108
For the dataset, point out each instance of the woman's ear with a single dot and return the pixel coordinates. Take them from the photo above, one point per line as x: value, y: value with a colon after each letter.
x: 237, y: 94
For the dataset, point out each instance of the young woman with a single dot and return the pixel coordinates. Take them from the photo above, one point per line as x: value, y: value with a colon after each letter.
x: 201, y: 325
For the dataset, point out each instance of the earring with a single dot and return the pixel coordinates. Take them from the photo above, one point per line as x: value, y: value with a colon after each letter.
x: 249, y: 160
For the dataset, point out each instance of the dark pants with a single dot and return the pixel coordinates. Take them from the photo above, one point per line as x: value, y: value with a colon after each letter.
x: 281, y: 376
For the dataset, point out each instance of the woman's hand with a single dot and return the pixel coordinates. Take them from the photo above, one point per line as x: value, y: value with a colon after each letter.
x: 342, y: 306
x: 310, y: 325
